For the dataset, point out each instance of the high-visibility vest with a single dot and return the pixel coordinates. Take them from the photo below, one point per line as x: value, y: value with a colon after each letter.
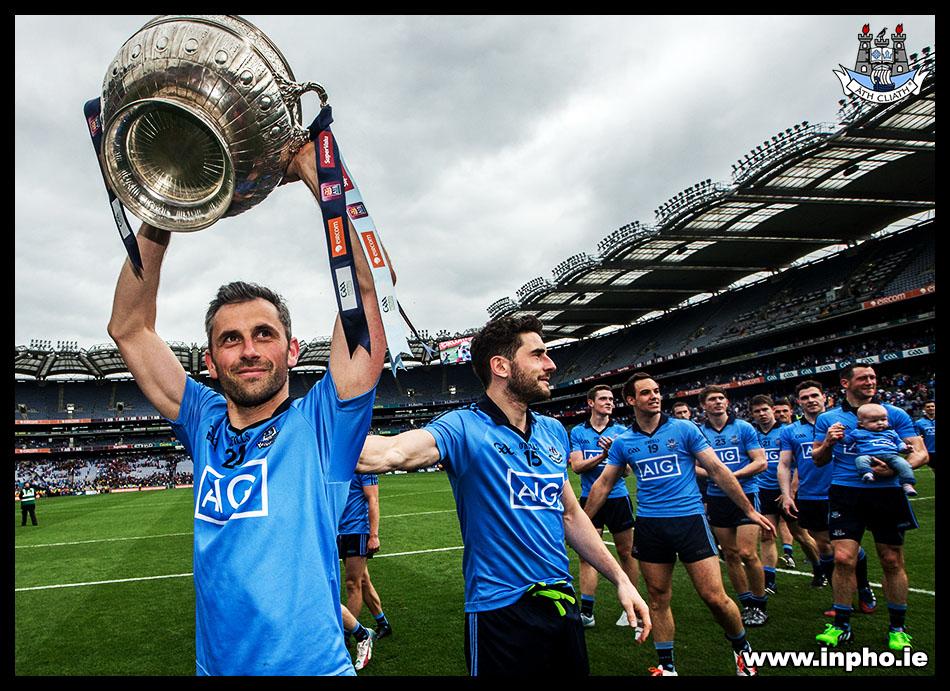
x: 28, y: 496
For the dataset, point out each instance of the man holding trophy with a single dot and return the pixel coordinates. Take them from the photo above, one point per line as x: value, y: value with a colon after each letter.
x: 271, y: 472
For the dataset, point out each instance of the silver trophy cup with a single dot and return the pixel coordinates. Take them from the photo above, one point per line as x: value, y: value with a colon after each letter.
x: 201, y: 116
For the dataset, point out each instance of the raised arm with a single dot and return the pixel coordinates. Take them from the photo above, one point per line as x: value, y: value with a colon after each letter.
x: 407, y: 451
x: 357, y: 374
x: 150, y: 360
x: 581, y: 535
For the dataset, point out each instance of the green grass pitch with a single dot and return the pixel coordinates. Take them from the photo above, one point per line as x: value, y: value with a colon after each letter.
x: 143, y: 622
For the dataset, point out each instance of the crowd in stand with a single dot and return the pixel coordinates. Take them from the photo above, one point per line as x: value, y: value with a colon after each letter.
x: 101, y: 474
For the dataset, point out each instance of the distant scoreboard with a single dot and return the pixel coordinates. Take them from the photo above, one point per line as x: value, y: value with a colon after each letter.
x: 454, y: 352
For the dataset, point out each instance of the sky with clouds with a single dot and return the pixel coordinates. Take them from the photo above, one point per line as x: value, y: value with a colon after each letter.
x: 488, y: 149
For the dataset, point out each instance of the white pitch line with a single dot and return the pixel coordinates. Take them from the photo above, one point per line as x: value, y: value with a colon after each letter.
x: 182, y: 575
x: 148, y: 537
x: 105, y: 539
x: 117, y: 580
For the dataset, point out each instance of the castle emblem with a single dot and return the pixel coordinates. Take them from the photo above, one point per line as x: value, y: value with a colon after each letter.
x: 881, y: 71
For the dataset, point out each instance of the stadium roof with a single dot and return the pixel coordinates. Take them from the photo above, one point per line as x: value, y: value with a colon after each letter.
x: 809, y: 187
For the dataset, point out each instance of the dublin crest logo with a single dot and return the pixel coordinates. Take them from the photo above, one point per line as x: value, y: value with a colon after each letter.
x: 881, y: 72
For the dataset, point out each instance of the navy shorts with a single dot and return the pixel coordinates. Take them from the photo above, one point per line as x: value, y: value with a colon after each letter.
x: 529, y: 638
x: 884, y: 511
x: 616, y: 514
x: 813, y: 514
x: 768, y: 500
x: 353, y: 545
x: 660, y: 540
x: 723, y: 513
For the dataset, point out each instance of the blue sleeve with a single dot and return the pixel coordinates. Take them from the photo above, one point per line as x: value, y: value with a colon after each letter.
x: 750, y: 437
x: 449, y: 433
x: 784, y: 439
x: 341, y: 425
x: 901, y: 423
x: 368, y: 479
x: 821, y: 427
x: 695, y: 441
x: 919, y: 427
x: 616, y: 455
x: 197, y: 403
x: 574, y: 439
x: 849, y: 437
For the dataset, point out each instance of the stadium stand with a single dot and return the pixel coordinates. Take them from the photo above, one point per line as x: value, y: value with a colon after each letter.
x: 819, y: 251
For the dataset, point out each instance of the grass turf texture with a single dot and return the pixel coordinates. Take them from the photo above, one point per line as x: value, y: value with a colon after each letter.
x: 146, y: 627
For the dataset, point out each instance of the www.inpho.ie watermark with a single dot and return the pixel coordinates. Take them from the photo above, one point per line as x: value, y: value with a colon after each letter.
x: 850, y: 660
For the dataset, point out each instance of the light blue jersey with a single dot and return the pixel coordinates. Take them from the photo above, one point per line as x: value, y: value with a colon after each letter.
x: 927, y: 429
x: 768, y: 478
x: 268, y: 500
x: 732, y: 444
x: 507, y: 488
x: 584, y: 439
x: 813, y: 481
x: 843, y: 455
x: 664, y: 465
x: 355, y: 518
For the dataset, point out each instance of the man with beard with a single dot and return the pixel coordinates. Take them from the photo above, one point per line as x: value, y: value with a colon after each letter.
x: 856, y: 506
x: 508, y: 469
x: 267, y: 589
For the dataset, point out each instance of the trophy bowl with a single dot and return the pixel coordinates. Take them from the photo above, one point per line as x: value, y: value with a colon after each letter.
x: 201, y: 117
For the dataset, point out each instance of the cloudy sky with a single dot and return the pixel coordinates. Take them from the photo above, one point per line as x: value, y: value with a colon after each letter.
x: 488, y: 149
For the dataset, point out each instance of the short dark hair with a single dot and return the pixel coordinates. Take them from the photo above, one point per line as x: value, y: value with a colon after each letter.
x: 783, y: 400
x: 808, y: 384
x: 594, y: 389
x: 677, y: 404
x: 239, y: 291
x: 630, y: 386
x: 761, y: 399
x: 711, y: 389
x: 848, y: 371
x: 500, y: 336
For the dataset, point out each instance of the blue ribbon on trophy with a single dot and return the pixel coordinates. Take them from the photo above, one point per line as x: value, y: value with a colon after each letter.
x: 93, y: 112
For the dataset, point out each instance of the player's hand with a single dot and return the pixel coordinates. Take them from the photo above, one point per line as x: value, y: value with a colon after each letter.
x: 880, y: 468
x: 303, y: 166
x: 635, y: 608
x: 761, y: 521
x: 605, y: 442
x: 372, y: 545
x: 835, y: 433
x: 788, y: 506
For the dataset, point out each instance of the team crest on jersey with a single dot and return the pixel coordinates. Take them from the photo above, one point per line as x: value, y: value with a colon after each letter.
x: 212, y: 437
x: 555, y: 455
x: 734, y: 439
x: 535, y: 491
x: 882, y: 72
x: 671, y: 444
x: 270, y: 434
x: 243, y: 494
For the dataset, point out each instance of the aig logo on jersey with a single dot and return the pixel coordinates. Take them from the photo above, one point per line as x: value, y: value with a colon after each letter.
x: 242, y: 494
x: 658, y: 467
x: 728, y: 455
x: 535, y: 492
x: 807, y: 449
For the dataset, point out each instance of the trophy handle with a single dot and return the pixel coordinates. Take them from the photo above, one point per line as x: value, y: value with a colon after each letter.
x: 292, y: 91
